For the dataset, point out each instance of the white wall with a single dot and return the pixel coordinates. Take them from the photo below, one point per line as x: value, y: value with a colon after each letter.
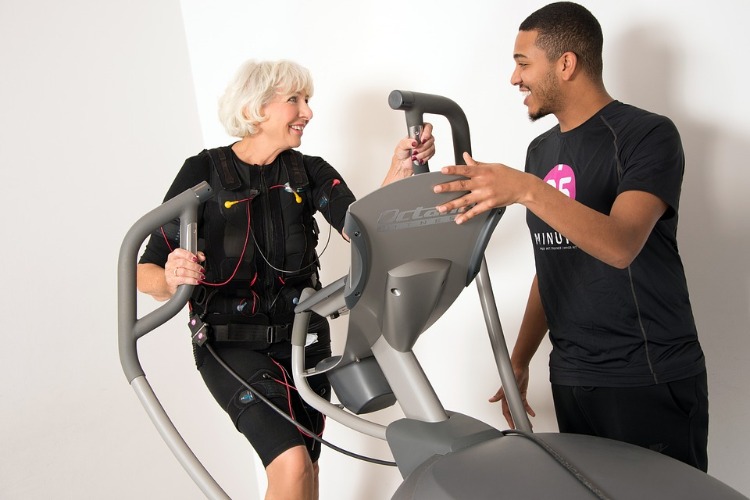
x: 96, y: 106
x: 101, y: 102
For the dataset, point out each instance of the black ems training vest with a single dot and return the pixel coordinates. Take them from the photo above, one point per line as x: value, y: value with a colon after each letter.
x: 226, y: 238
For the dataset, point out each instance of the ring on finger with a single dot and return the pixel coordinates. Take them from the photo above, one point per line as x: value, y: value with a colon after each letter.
x: 175, y: 270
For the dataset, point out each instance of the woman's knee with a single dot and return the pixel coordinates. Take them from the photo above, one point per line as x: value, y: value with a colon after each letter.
x: 293, y: 465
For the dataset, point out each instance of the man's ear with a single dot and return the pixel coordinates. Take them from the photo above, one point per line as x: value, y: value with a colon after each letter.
x: 568, y: 65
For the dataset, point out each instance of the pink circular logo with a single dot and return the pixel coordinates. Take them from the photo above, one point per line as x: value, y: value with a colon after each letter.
x: 562, y: 178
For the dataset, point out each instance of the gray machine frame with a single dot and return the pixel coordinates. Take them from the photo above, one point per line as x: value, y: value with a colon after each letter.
x: 409, y: 264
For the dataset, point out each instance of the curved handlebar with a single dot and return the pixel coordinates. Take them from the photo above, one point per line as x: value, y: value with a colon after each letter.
x: 185, y: 207
x: 416, y: 104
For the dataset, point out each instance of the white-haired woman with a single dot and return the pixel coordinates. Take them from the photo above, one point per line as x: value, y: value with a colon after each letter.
x: 257, y: 239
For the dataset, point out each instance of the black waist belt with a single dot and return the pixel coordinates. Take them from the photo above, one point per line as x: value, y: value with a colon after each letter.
x: 262, y: 334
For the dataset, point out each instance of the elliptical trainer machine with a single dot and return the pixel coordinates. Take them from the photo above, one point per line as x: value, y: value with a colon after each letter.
x: 409, y: 264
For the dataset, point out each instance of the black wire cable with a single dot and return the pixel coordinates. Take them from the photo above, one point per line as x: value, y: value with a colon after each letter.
x: 578, y: 475
x: 290, y: 419
x: 316, y: 260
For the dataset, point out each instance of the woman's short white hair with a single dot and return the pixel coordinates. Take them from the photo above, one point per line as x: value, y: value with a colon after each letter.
x: 253, y: 86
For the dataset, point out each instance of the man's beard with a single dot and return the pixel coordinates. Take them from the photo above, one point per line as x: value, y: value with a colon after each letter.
x: 549, y: 94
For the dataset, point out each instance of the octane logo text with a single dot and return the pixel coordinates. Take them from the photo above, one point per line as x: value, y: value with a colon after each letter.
x: 396, y: 220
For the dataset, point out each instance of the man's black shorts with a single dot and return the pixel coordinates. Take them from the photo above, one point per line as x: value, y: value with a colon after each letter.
x: 671, y: 418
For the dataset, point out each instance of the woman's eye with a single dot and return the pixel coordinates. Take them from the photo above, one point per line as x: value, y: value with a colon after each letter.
x: 293, y: 99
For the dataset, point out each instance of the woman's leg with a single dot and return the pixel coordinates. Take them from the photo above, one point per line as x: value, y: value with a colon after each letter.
x: 316, y: 486
x: 292, y: 476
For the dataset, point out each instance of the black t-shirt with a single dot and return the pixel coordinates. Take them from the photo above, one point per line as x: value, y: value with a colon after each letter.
x: 608, y: 326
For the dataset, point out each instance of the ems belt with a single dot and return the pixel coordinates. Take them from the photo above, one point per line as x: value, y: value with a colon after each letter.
x: 261, y: 334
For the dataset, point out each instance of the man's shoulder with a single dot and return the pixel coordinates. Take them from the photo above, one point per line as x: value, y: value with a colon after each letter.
x: 622, y: 115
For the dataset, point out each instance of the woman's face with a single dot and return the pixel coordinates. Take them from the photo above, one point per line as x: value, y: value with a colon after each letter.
x: 287, y: 114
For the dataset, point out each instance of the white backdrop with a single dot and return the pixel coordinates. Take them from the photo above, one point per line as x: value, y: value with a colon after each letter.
x: 102, y: 101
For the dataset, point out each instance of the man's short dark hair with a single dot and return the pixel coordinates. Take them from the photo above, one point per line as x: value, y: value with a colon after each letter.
x: 568, y: 27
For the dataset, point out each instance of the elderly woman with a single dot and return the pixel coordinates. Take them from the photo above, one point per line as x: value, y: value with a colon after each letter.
x: 257, y: 239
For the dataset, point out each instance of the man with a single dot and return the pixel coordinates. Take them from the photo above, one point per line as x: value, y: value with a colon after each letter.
x: 602, y: 191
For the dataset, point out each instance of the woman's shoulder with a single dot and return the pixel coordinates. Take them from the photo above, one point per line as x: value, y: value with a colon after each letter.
x: 198, y: 165
x: 195, y: 169
x: 313, y: 164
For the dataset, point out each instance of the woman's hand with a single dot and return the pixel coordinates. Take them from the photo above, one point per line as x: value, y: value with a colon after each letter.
x: 407, y: 151
x: 183, y: 268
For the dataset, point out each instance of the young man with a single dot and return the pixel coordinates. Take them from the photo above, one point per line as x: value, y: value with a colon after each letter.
x: 602, y: 192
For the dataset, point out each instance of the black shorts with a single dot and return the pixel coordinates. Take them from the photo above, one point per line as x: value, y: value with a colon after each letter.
x: 268, y: 372
x: 671, y: 418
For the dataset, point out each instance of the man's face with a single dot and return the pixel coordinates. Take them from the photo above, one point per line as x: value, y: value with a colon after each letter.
x: 535, y: 77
